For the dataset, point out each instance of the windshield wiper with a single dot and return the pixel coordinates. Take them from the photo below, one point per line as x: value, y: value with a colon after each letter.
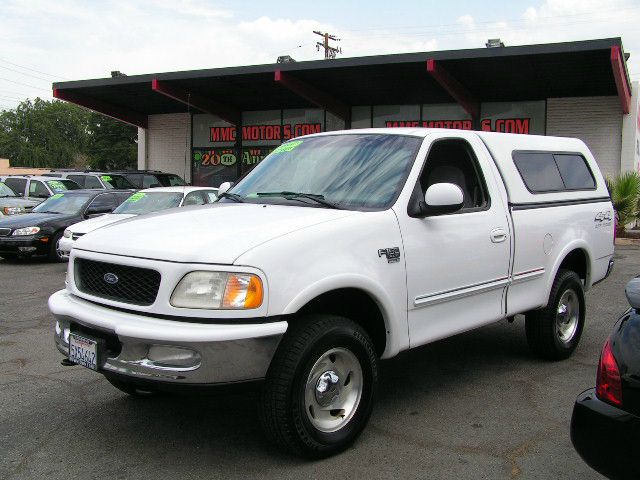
x: 316, y: 197
x: 232, y: 196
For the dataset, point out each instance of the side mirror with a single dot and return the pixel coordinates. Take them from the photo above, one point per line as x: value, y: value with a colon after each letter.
x: 440, y: 199
x: 632, y: 290
x: 224, y: 187
x: 92, y: 212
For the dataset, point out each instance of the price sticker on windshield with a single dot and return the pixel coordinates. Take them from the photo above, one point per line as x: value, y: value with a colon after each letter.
x: 287, y: 147
x: 135, y: 197
x: 57, y: 195
x: 106, y: 178
x: 57, y: 185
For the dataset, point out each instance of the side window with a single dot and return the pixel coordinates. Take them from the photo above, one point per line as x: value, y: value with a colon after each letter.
x: 37, y: 189
x: 16, y: 184
x: 211, y: 196
x: 575, y: 172
x: 79, y: 179
x: 149, y: 181
x: 193, y: 198
x: 92, y: 182
x: 453, y: 161
x: 102, y: 203
x: 553, y: 172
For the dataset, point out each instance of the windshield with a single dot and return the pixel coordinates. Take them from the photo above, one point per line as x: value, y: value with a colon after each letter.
x: 147, y: 202
x: 61, y: 203
x: 62, y: 185
x: 116, y: 181
x: 6, y: 191
x: 352, y: 171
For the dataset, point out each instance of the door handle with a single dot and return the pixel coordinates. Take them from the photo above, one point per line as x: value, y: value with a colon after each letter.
x: 498, y: 235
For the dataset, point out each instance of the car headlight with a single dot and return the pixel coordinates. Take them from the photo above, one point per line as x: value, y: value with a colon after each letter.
x: 218, y: 290
x: 26, y: 231
x: 13, y: 210
x: 67, y: 233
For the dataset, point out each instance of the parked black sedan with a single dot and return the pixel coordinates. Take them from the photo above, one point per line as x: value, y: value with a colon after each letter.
x: 605, y: 427
x: 39, y: 232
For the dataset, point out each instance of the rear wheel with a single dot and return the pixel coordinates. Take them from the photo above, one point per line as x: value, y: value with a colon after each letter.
x: 319, y: 391
x: 554, y: 332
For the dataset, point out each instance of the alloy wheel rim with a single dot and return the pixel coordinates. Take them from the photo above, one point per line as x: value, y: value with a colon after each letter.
x: 567, y: 316
x: 333, y: 390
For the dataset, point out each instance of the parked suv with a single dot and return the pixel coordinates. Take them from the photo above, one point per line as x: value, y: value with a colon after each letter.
x: 94, y: 179
x: 38, y: 188
x: 151, y: 178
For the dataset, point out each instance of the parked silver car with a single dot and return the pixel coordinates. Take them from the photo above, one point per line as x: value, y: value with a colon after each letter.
x: 12, y: 204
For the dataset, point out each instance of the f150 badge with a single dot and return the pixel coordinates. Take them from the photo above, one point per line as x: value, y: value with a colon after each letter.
x: 392, y: 254
x: 603, y: 219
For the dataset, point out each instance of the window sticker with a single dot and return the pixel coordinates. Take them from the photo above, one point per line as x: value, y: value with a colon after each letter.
x: 287, y: 147
x: 135, y: 197
x: 57, y: 195
x: 106, y: 178
x: 57, y: 185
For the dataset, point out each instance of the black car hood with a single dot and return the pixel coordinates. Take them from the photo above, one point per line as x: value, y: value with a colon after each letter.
x: 34, y: 220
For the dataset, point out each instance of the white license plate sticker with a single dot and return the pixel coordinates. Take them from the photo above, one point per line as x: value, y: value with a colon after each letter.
x: 83, y: 351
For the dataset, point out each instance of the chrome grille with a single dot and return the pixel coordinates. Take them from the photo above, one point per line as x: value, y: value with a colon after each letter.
x: 122, y: 283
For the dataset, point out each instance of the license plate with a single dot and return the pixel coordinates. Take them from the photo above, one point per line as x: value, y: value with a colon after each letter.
x: 83, y: 351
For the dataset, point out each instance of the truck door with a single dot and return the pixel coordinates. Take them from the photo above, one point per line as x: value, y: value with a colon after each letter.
x: 457, y: 264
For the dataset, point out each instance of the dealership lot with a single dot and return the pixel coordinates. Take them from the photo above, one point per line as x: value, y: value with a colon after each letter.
x: 477, y: 405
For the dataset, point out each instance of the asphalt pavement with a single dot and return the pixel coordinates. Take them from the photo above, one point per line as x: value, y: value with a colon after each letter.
x: 474, y: 406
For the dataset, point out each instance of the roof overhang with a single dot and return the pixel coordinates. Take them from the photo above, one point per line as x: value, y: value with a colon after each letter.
x: 469, y: 77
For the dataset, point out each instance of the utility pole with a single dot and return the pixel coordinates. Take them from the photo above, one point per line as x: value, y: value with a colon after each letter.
x: 329, y: 52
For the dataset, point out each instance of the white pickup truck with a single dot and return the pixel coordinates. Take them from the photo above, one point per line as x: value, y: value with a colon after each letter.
x: 338, y: 250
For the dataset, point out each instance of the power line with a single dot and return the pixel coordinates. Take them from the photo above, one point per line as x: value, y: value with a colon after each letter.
x: 24, y: 84
x: 32, y: 69
x: 329, y: 51
x: 25, y: 74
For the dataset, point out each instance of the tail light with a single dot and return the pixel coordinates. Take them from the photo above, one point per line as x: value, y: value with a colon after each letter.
x: 608, y: 384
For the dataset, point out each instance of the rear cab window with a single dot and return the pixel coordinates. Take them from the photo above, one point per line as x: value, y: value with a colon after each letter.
x: 544, y: 172
x: 18, y: 185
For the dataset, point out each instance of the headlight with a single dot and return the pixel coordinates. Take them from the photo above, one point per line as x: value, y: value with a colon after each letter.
x: 26, y: 231
x: 218, y: 290
x: 12, y: 210
x: 67, y: 233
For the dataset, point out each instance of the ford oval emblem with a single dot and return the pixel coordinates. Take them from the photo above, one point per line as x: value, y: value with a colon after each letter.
x: 110, y: 278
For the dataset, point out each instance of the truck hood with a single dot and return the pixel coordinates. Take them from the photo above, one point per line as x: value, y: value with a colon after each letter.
x: 216, y: 234
x: 87, y: 226
x: 17, y: 202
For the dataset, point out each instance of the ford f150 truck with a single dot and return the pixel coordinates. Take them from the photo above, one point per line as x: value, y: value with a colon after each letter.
x: 338, y: 250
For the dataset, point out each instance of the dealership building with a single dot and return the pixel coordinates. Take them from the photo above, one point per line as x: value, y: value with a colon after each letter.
x: 213, y: 125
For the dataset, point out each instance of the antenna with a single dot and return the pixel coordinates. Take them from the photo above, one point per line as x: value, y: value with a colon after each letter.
x: 329, y: 52
x: 187, y: 154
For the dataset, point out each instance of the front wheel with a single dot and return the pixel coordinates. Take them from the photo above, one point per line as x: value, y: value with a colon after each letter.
x: 319, y: 391
x: 55, y: 254
x: 554, y: 332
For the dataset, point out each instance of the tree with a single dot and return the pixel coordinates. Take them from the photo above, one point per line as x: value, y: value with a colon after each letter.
x: 43, y: 133
x: 625, y: 191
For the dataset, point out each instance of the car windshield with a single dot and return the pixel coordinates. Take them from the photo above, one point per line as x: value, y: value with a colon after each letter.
x: 62, y: 203
x: 146, y: 202
x: 62, y: 185
x: 116, y: 181
x: 6, y: 191
x: 170, y: 180
x: 349, y: 171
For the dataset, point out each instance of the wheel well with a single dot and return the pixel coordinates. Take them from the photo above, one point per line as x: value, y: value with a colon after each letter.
x: 576, y: 261
x: 356, y: 305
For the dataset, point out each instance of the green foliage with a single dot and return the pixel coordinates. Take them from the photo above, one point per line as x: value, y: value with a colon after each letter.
x: 43, y: 133
x: 625, y: 193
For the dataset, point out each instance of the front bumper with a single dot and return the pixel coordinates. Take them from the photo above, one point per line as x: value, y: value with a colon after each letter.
x: 146, y: 348
x: 24, y: 245
x: 606, y: 437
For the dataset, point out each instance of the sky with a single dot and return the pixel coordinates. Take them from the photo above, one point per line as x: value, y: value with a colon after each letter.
x: 43, y: 41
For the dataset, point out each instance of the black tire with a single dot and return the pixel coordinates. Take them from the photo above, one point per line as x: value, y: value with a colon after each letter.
x: 130, y: 389
x: 542, y: 326
x: 53, y: 248
x: 10, y: 257
x: 284, y: 416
